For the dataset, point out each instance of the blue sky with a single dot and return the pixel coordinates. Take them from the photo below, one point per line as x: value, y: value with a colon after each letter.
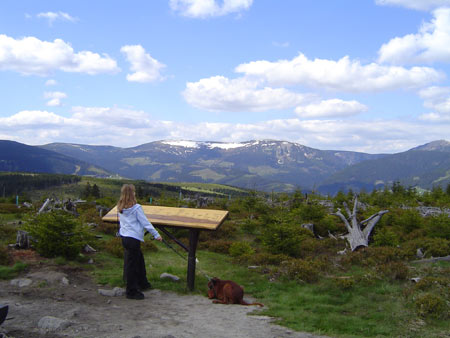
x: 366, y: 75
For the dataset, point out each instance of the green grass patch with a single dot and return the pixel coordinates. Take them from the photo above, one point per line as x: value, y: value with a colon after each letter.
x: 9, y: 272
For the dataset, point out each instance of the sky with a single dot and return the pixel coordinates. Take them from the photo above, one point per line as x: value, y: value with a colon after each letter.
x: 359, y: 75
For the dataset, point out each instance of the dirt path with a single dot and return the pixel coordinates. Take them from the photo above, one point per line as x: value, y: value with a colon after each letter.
x: 80, y: 311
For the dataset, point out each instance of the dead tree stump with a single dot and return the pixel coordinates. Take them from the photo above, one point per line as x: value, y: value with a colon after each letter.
x: 357, y: 235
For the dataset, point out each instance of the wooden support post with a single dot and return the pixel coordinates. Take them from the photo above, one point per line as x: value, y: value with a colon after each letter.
x: 193, y: 239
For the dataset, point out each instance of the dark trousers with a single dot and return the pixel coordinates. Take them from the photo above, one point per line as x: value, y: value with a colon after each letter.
x: 133, y: 266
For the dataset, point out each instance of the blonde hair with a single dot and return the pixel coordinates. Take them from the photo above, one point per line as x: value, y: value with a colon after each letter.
x: 127, y: 197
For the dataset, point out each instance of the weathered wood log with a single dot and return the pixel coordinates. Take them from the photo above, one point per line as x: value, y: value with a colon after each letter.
x: 357, y: 235
x: 432, y: 260
x: 22, y: 240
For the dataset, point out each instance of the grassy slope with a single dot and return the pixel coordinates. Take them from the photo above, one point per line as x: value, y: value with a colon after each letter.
x: 378, y: 309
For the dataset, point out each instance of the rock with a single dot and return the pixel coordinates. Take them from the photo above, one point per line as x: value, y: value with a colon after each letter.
x: 309, y: 226
x: 419, y: 253
x: 88, y: 249
x: 166, y: 275
x: 65, y: 281
x: 416, y: 279
x: 21, y: 282
x: 53, y: 323
x: 116, y: 292
x: 90, y: 261
x: 253, y: 267
x: 342, y: 252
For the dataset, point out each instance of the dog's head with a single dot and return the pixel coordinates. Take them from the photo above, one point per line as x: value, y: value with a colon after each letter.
x: 212, y: 293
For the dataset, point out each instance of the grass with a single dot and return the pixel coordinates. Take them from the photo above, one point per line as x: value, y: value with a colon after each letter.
x: 369, y: 309
x: 9, y: 272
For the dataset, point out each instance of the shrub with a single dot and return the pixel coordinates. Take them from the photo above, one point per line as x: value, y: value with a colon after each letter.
x: 436, y: 247
x: 385, y: 237
x: 220, y: 246
x: 108, y: 228
x: 4, y: 256
x: 373, y: 256
x: 114, y: 247
x: 239, y: 249
x: 149, y: 246
x: 8, y: 233
x: 285, y: 238
x: 393, y: 270
x: 250, y: 225
x: 265, y: 258
x: 431, y: 305
x: 439, y: 226
x: 10, y: 208
x: 57, y: 234
x: 344, y: 283
x: 328, y: 223
x: 439, y: 283
x: 302, y: 270
x: 408, y: 220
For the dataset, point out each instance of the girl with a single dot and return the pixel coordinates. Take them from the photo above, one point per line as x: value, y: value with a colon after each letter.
x: 133, y: 224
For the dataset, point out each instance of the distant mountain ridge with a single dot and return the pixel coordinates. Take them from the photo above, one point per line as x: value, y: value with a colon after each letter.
x: 258, y: 164
x: 16, y: 156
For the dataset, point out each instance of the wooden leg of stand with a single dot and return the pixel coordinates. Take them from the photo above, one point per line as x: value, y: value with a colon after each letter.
x: 193, y: 239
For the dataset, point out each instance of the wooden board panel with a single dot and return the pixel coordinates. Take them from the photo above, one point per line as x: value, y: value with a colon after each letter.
x: 205, y: 219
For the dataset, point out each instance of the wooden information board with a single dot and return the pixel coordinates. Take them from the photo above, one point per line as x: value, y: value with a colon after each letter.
x: 187, y: 218
x: 203, y: 219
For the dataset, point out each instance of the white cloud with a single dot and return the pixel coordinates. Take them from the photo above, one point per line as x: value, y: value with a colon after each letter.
x: 31, y: 56
x: 126, y: 128
x: 330, y: 108
x: 208, y: 8
x: 342, y: 75
x: 219, y: 93
x: 51, y: 82
x: 53, y: 16
x: 54, y: 98
x: 423, y: 5
x: 438, y: 100
x: 430, y: 44
x: 145, y: 68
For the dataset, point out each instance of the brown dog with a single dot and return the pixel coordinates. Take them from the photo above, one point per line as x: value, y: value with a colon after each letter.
x: 227, y: 292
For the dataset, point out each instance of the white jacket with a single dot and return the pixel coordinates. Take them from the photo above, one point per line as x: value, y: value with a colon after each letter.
x: 133, y: 223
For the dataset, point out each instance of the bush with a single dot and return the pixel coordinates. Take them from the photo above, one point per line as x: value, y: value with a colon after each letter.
x: 10, y: 208
x: 8, y: 233
x: 302, y: 270
x: 344, y: 283
x: 114, y: 247
x: 4, y: 255
x: 264, y: 258
x: 439, y: 226
x: 439, y: 283
x: 385, y: 237
x: 285, y: 238
x: 328, y: 223
x: 108, y: 228
x: 149, y: 246
x: 239, y: 249
x: 57, y: 234
x: 373, y: 256
x: 436, y: 247
x: 394, y: 270
x: 219, y: 246
x: 431, y: 305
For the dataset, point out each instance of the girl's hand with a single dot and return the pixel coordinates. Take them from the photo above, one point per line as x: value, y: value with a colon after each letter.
x: 159, y: 239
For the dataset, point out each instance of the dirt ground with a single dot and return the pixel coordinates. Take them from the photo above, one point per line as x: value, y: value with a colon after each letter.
x: 69, y: 295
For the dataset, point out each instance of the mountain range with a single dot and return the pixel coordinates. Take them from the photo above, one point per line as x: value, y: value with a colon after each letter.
x: 260, y: 164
